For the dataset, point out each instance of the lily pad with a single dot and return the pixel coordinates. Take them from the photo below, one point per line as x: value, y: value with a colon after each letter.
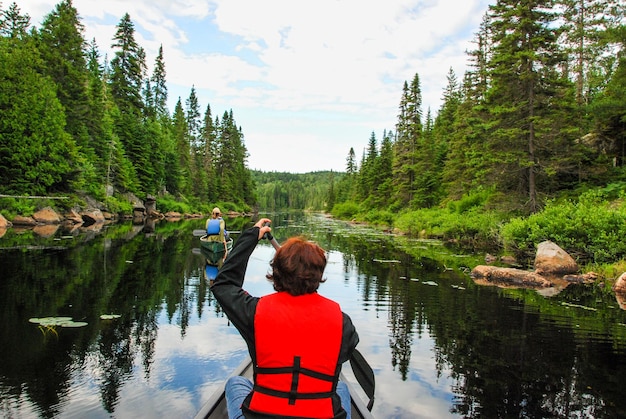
x: 49, y: 321
x: 73, y: 324
x: 109, y: 316
x: 56, y: 321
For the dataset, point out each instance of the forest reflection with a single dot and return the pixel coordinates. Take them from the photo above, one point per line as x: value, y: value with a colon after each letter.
x: 489, y: 352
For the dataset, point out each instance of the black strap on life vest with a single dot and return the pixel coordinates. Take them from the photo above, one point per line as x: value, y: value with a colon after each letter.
x: 295, y: 371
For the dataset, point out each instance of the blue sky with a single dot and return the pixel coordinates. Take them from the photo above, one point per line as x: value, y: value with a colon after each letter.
x: 306, y: 80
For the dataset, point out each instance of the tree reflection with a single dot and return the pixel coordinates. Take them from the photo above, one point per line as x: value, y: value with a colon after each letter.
x: 506, y: 353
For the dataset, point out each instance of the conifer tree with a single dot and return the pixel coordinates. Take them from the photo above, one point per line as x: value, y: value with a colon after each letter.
x: 585, y: 23
x: 466, y: 160
x: 126, y: 82
x: 383, y: 172
x: 159, y: 86
x: 367, y: 170
x: 209, y: 154
x: 527, y: 100
x: 180, y: 181
x: 63, y: 49
x: 13, y: 24
x: 408, y: 133
x: 37, y: 155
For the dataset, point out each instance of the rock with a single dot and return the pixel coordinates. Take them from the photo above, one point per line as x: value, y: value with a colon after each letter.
x: 4, y: 223
x: 586, y: 278
x: 74, y: 217
x: 47, y: 216
x: 509, y: 276
x: 92, y: 216
x: 46, y: 230
x: 173, y: 214
x: 552, y: 260
x: 20, y: 220
x: 620, y: 285
x: 509, y: 260
x: 489, y: 258
x: 150, y: 205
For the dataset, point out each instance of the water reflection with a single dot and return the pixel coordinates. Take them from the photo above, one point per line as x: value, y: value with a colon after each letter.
x: 440, y: 345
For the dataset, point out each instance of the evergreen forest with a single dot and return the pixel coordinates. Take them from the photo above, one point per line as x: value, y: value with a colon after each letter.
x: 529, y: 143
x: 74, y: 121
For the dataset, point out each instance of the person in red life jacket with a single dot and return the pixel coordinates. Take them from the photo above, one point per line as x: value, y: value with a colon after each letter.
x: 297, y: 339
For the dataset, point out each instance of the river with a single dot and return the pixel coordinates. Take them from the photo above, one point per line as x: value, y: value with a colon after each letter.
x: 149, y: 340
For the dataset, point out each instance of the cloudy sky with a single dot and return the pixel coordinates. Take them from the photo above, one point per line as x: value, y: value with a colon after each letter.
x: 306, y: 80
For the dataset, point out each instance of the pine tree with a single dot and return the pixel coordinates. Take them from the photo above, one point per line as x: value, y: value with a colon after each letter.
x: 179, y: 181
x: 367, y: 171
x: 37, y: 155
x: 13, y: 24
x: 383, y: 172
x: 585, y: 23
x: 159, y: 86
x: 209, y: 154
x: 126, y: 82
x: 467, y: 157
x: 528, y: 99
x: 62, y: 48
x: 408, y: 133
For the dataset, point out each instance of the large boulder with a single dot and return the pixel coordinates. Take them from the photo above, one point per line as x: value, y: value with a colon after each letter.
x: 620, y: 285
x: 20, y: 220
x: 73, y: 217
x: 92, y: 216
x: 47, y: 216
x: 552, y: 260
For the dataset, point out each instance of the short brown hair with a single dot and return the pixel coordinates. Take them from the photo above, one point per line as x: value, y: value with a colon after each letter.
x: 297, y: 267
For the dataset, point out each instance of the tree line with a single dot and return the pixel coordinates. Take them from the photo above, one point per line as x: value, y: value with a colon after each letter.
x: 72, y: 120
x: 540, y: 112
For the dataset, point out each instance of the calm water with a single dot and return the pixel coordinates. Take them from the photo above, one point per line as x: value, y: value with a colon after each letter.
x: 440, y: 345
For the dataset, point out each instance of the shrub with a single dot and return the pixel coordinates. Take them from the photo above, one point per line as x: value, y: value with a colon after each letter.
x: 378, y: 217
x: 590, y: 227
x: 346, y: 210
x: 169, y: 203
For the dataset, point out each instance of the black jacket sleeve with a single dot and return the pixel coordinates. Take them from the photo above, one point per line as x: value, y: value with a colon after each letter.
x: 238, y: 305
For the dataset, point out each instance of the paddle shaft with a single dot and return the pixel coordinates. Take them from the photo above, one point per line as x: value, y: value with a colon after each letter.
x: 200, y: 233
x: 272, y: 240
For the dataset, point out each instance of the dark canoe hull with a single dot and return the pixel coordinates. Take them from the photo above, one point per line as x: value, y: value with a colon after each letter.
x: 215, y: 407
x: 215, y: 247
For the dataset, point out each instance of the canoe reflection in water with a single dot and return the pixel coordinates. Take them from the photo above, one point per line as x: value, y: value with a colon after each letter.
x: 213, y: 262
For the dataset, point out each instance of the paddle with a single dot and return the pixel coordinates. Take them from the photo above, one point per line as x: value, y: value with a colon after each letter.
x: 364, y: 375
x: 200, y: 233
x: 362, y: 370
x: 272, y: 240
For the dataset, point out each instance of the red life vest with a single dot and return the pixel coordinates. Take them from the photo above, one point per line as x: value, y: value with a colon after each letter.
x: 297, y: 341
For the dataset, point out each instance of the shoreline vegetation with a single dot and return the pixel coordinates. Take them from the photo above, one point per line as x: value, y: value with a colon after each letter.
x: 590, y: 227
x: 528, y: 145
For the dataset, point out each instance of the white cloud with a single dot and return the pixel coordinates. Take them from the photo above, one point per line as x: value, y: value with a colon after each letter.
x: 306, y: 80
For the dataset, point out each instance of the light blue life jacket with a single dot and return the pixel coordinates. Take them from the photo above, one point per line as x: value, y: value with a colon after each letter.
x: 213, y: 227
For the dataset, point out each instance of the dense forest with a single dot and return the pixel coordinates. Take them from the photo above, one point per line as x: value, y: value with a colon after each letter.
x: 541, y: 113
x: 533, y: 131
x: 71, y: 120
x: 542, y: 110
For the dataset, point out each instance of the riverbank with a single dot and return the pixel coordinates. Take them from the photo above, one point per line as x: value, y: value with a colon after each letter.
x: 589, y: 227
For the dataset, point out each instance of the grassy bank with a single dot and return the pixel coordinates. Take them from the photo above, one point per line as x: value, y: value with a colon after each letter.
x: 590, y: 227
